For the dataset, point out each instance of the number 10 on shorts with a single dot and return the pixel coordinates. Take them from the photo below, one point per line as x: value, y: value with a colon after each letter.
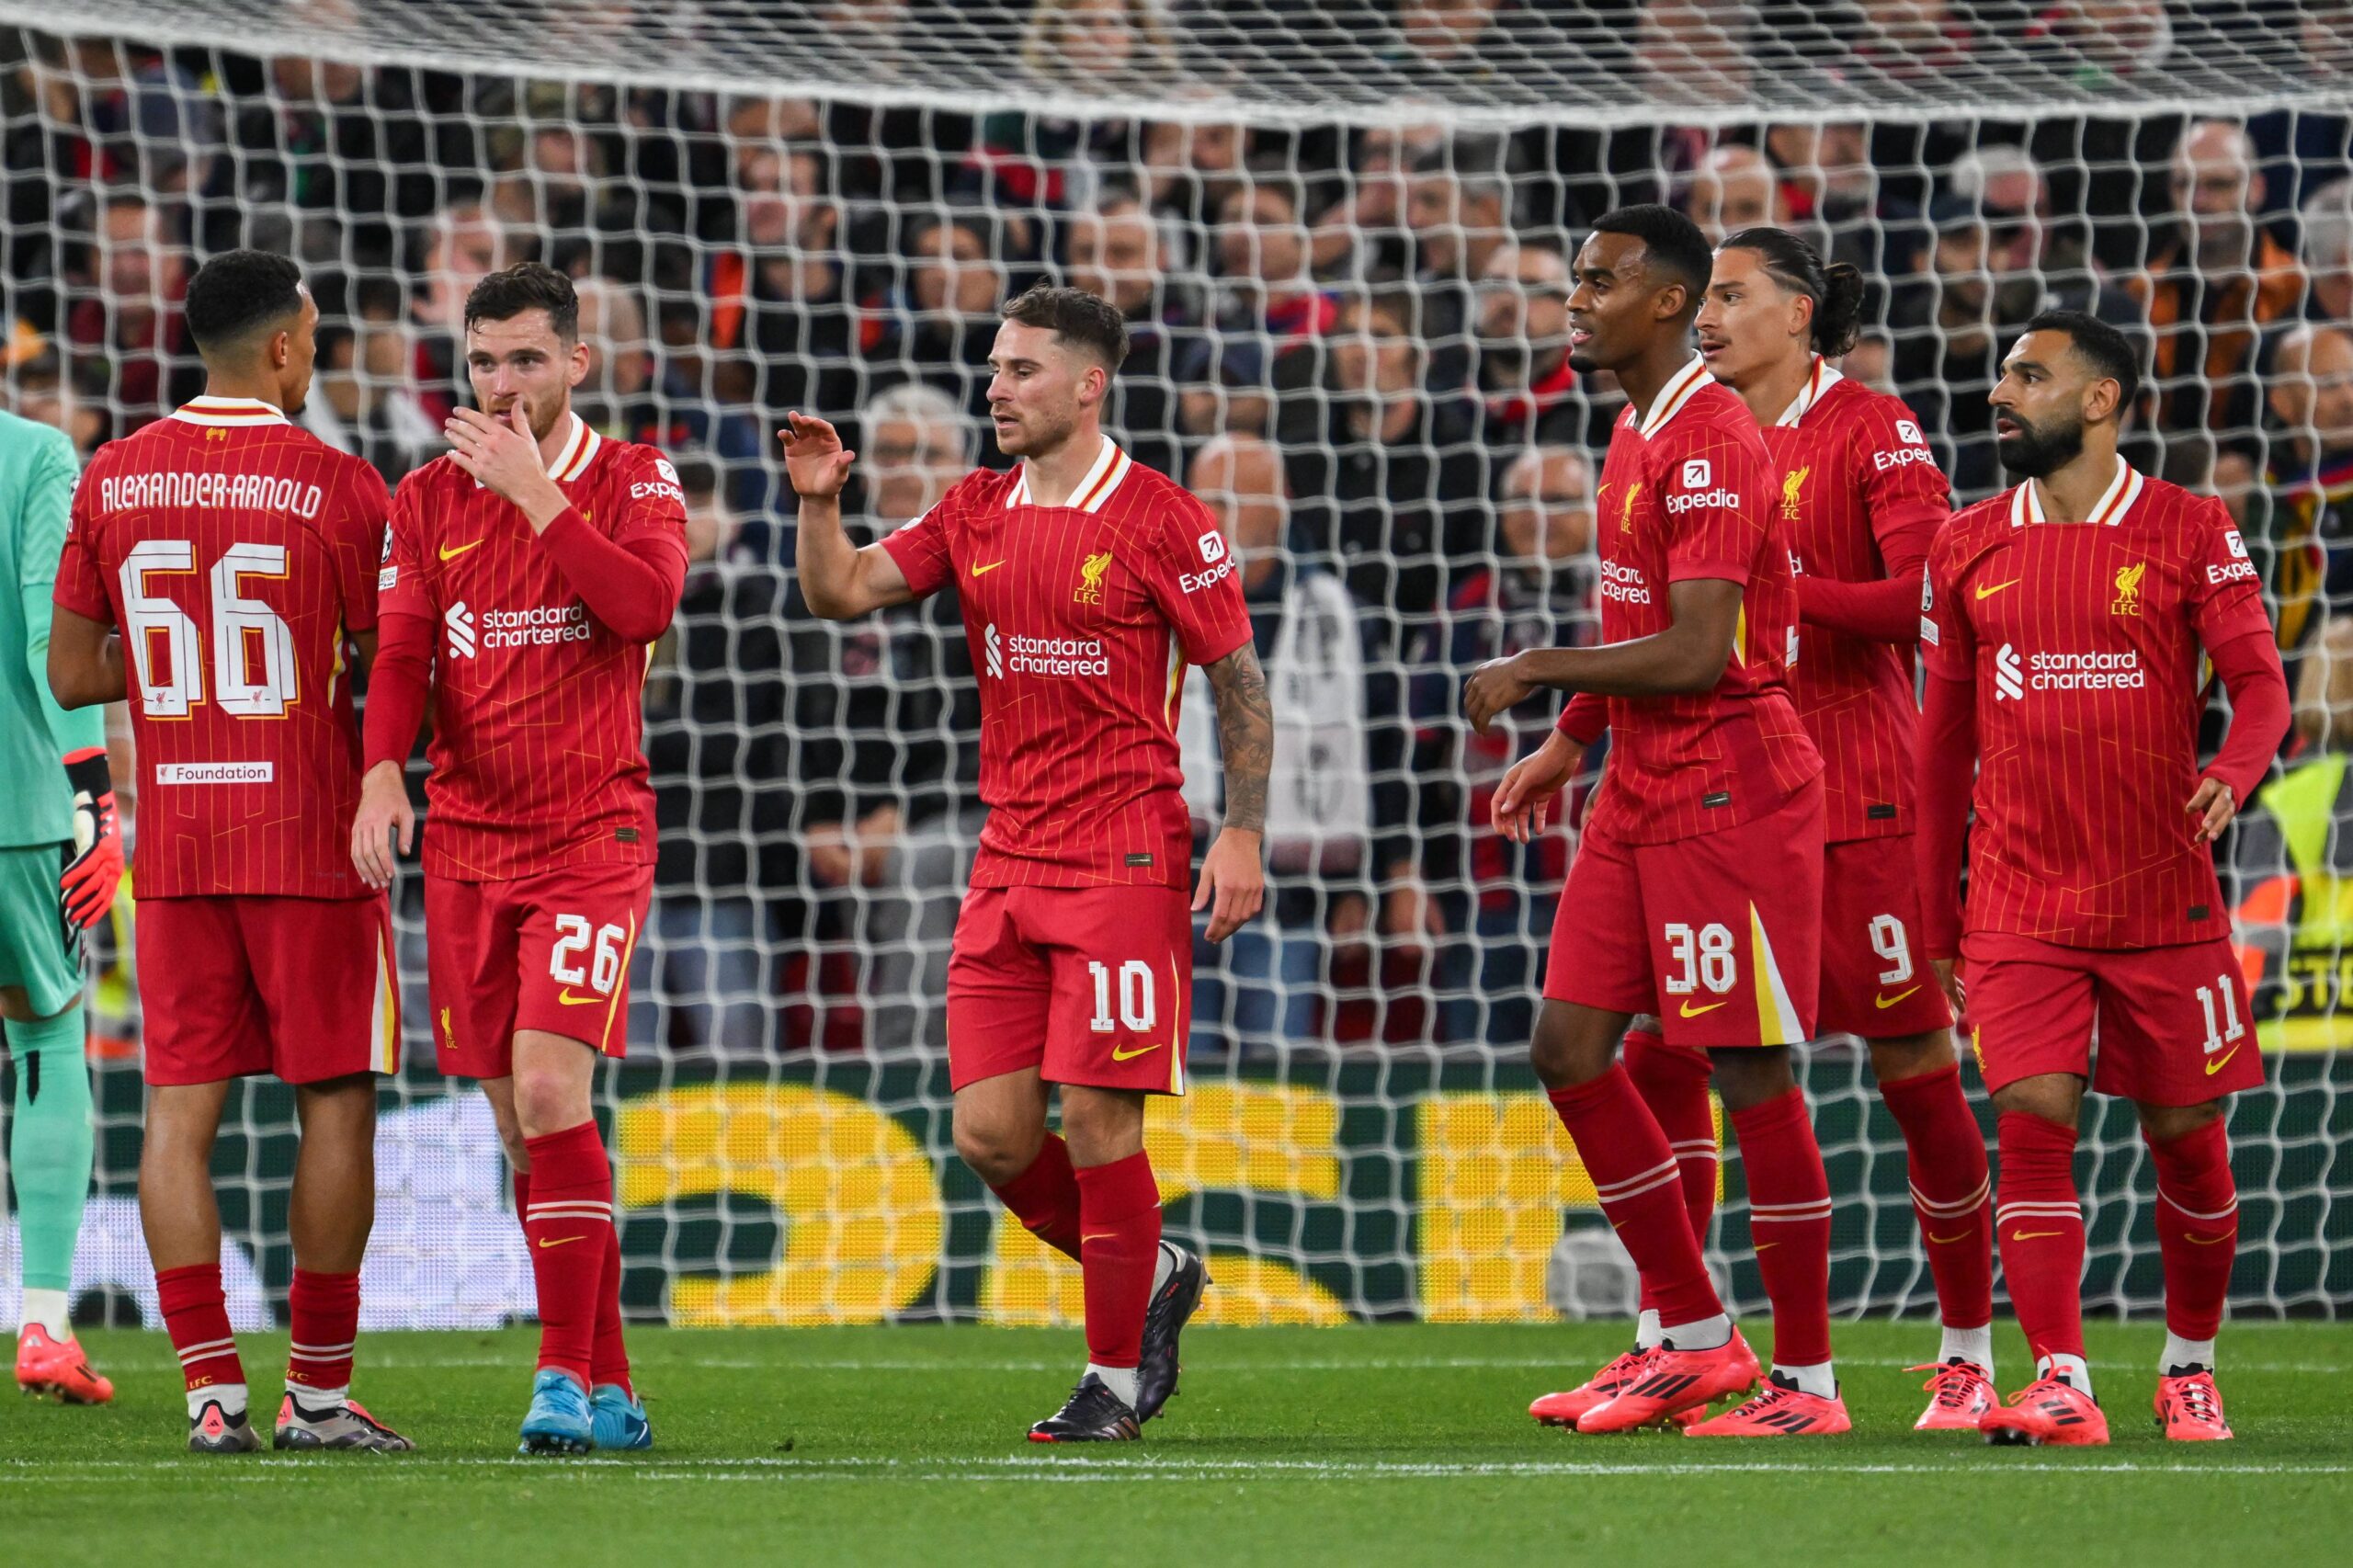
x: 1139, y: 1010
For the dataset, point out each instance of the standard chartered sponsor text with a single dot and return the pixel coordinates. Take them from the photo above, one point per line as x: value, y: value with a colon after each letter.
x: 1056, y: 656
x: 244, y: 492
x: 540, y: 624
x: 2087, y: 672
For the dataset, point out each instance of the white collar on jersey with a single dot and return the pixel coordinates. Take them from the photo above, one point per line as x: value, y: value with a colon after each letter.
x: 1674, y: 396
x: 229, y: 412
x: 579, y: 449
x: 2025, y: 500
x: 1088, y: 495
x: 1825, y: 376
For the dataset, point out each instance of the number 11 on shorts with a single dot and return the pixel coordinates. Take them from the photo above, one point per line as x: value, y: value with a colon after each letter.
x: 1138, y: 1010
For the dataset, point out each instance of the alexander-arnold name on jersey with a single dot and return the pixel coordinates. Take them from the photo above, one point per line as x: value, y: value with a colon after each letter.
x: 237, y: 491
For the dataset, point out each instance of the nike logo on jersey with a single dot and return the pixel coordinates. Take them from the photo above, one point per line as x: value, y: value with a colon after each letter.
x: 1986, y: 591
x: 1688, y: 1011
x: 569, y: 1000
x: 1119, y: 1055
x: 1883, y: 1002
x: 2221, y: 1062
x: 979, y: 567
x: 558, y: 1241
x: 448, y: 550
x: 2033, y: 1235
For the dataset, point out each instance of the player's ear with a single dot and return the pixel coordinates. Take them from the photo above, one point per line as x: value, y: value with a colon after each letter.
x: 575, y: 370
x: 2100, y: 399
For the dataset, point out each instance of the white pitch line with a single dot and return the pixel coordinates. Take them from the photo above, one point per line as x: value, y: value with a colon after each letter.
x: 1025, y: 1469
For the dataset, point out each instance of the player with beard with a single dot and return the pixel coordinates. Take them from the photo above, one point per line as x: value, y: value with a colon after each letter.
x: 526, y: 574
x: 1696, y: 894
x: 2067, y: 623
x: 1080, y: 571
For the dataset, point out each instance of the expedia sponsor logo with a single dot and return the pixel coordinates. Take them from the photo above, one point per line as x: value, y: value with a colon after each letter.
x: 1902, y: 456
x: 1012, y: 655
x: 1194, y: 581
x: 1623, y: 583
x: 2231, y: 571
x: 644, y: 488
x: 239, y: 492
x: 1718, y: 496
x: 2014, y: 675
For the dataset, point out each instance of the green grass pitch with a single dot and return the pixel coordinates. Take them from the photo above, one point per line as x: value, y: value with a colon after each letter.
x: 1389, y: 1444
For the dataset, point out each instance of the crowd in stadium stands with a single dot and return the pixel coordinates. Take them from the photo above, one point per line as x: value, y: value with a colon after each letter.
x: 1351, y: 343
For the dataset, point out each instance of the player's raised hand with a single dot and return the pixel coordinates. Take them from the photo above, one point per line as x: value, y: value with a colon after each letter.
x: 813, y: 458
x: 383, y: 812
x: 505, y: 456
x: 2213, y: 806
x: 1493, y: 686
x: 1234, y: 882
x: 1523, y: 802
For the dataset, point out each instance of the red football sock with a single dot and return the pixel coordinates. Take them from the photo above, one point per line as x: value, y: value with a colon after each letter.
x: 1634, y: 1174
x: 569, y: 1224
x: 196, y: 1314
x: 1789, y: 1223
x: 1120, y: 1213
x: 1674, y: 1082
x: 1045, y: 1197
x: 324, y: 1310
x: 1951, y: 1192
x: 2041, y: 1226
x: 522, y: 1180
x: 608, y: 1353
x: 2198, y: 1228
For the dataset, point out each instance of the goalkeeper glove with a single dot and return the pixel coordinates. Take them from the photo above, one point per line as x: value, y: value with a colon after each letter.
x: 92, y: 875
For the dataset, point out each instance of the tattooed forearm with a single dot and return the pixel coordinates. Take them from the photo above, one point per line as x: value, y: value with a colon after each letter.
x: 1246, y: 728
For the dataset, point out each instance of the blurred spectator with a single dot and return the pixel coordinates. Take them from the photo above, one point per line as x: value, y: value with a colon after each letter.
x: 1125, y: 47
x: 1914, y: 39
x: 40, y: 390
x: 1950, y: 330
x: 1459, y: 208
x: 2299, y: 525
x: 1398, y: 480
x: 1363, y: 233
x: 883, y: 716
x: 2210, y: 288
x: 1539, y: 593
x: 955, y: 283
x: 1693, y: 51
x: 365, y: 399
x: 1734, y: 187
x: 1319, y: 793
x: 715, y: 704
x: 1525, y: 385
x: 1189, y: 167
x: 463, y: 244
x: 1122, y: 43
x: 339, y: 151
x: 1826, y: 177
x: 124, y: 311
x: 1115, y: 252
x: 1872, y: 361
x: 782, y: 327
x: 618, y: 396
x: 2102, y: 45
x: 2326, y: 252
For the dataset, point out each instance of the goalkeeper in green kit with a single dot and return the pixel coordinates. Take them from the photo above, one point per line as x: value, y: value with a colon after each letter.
x: 60, y: 861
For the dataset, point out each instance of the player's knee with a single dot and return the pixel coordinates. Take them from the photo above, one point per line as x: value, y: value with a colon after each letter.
x: 548, y: 1102
x: 2053, y: 1096
x: 1910, y: 1056
x: 1563, y: 1053
x: 1751, y: 1075
x: 998, y: 1151
x: 1101, y: 1128
x: 2164, y: 1123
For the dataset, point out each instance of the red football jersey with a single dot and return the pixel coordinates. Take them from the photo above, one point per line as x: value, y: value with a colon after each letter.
x: 1689, y: 493
x: 1855, y: 472
x: 538, y: 748
x: 1071, y: 611
x: 235, y: 551
x: 2084, y: 640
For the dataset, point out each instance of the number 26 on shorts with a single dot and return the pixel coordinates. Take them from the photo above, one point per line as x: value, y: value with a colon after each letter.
x: 573, y: 938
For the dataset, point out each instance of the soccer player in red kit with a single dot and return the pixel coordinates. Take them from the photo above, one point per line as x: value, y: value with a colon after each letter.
x: 1862, y: 498
x: 2066, y: 624
x: 1696, y: 894
x: 530, y: 570
x: 220, y: 573
x: 1080, y: 573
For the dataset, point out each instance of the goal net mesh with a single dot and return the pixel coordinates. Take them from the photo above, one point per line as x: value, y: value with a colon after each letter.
x: 1336, y: 231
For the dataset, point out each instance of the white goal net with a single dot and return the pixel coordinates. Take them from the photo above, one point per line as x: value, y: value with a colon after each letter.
x: 1337, y: 231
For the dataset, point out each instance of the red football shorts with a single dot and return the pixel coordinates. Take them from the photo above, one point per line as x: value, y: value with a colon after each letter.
x: 550, y: 952
x: 1875, y: 981
x: 300, y: 988
x: 2173, y: 1024
x: 1088, y: 985
x: 1719, y: 935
